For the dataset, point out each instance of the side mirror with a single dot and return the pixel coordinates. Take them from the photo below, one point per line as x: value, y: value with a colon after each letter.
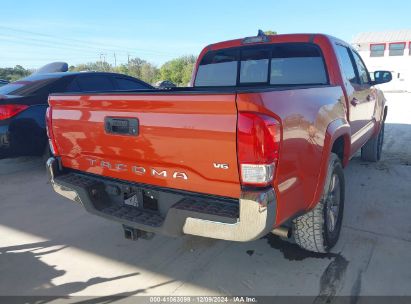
x: 382, y: 77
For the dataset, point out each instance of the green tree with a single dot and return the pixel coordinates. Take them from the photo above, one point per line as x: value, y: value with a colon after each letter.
x: 98, y: 66
x: 13, y: 74
x: 139, y: 68
x: 149, y: 73
x: 269, y: 32
x: 178, y: 70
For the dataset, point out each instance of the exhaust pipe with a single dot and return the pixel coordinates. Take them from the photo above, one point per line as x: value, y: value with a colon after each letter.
x: 283, y: 232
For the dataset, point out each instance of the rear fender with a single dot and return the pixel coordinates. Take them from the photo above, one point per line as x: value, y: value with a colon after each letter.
x: 335, y: 129
x: 380, y: 113
x: 380, y: 121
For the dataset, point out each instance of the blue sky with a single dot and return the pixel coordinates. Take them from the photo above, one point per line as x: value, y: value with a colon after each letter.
x: 33, y: 33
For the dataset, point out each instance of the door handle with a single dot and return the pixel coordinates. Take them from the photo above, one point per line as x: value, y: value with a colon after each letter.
x: 354, y: 101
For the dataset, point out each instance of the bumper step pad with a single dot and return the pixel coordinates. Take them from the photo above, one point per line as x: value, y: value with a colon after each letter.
x: 214, y: 208
x: 134, y: 214
x: 76, y: 180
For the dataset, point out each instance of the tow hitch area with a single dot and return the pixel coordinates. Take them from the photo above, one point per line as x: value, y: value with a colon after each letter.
x: 134, y: 234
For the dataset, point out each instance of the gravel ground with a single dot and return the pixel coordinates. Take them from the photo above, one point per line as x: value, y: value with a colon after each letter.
x: 50, y: 246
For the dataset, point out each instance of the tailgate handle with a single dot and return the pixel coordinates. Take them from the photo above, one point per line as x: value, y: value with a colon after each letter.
x: 121, y: 126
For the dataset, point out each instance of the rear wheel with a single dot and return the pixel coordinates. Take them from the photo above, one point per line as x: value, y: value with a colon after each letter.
x: 372, y: 150
x: 319, y: 229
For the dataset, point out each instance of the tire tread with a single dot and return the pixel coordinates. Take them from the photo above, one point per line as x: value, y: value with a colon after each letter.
x: 309, y: 227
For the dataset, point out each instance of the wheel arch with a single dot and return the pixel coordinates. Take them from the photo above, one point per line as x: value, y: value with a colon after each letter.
x: 338, y: 141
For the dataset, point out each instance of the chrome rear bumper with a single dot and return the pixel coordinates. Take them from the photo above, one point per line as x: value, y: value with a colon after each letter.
x: 60, y: 189
x: 257, y: 217
x: 257, y: 211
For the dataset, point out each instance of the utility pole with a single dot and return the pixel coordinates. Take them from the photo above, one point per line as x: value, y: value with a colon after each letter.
x: 115, y: 60
x: 128, y: 59
x: 103, y: 57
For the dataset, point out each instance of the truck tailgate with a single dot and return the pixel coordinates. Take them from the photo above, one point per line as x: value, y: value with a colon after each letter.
x: 181, y: 141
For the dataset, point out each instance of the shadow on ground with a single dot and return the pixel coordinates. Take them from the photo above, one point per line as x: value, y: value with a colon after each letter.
x: 15, y: 261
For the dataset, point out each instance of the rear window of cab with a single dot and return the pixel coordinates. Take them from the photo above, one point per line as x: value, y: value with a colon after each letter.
x: 275, y: 64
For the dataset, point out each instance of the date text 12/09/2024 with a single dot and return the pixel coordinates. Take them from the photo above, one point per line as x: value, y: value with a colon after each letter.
x: 204, y: 299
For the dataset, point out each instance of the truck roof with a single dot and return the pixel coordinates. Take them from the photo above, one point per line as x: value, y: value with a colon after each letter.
x: 302, y: 37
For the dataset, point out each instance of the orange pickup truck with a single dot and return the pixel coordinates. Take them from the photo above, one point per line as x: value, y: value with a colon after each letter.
x: 256, y: 144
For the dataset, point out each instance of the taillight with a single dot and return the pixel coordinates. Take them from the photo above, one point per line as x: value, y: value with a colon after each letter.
x: 258, y: 143
x: 50, y: 135
x: 10, y: 110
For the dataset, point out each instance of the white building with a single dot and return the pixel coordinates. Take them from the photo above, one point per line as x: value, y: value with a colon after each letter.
x: 387, y: 51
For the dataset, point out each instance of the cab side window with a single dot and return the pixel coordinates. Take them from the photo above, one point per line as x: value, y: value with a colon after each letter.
x: 346, y: 64
x: 362, y: 70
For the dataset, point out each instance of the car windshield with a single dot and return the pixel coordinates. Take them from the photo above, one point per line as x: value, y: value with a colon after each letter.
x: 27, y: 86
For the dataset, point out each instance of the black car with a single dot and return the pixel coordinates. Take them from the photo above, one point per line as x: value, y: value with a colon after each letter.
x: 165, y: 84
x: 23, y: 105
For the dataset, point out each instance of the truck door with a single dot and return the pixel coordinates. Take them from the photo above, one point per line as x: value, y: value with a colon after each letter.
x: 366, y: 94
x: 361, y: 95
